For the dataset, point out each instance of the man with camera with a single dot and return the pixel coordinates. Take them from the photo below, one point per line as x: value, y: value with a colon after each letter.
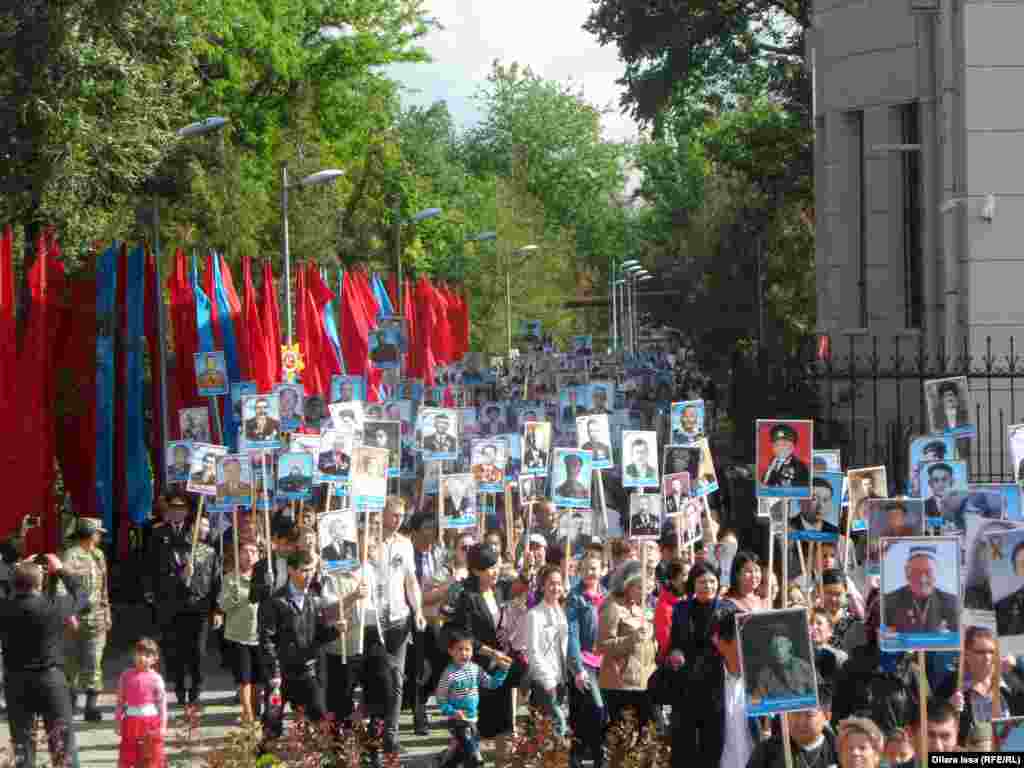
x: 32, y: 625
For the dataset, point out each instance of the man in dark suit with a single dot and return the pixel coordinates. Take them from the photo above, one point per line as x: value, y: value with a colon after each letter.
x: 457, y: 501
x: 292, y: 633
x: 338, y: 548
x: 949, y: 412
x: 920, y: 606
x: 440, y: 441
x: 640, y: 468
x: 32, y: 626
x: 814, y: 512
x: 675, y: 498
x: 940, y: 482
x: 572, y: 488
x: 336, y: 462
x: 594, y: 444
x: 643, y: 521
x: 535, y: 458
x: 599, y: 400
x: 786, y: 469
x: 207, y: 474
x: 261, y: 427
x: 896, y: 523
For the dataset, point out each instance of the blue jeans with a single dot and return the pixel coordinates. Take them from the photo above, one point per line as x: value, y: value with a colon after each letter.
x: 554, y: 704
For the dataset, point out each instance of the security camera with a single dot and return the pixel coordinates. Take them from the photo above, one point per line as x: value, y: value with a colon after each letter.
x: 988, y: 211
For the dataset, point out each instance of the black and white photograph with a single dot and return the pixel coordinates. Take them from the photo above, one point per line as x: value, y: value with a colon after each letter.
x: 938, y: 479
x: 639, y: 459
x: 570, y: 478
x: 385, y: 434
x: 240, y: 389
x: 338, y: 540
x: 536, y: 448
x: 593, y: 434
x: 948, y: 407
x: 601, y: 397
x: 889, y: 519
x: 202, y: 476
x: 211, y: 374
x: 195, y: 424
x: 234, y: 480
x: 644, y: 516
x: 369, y: 477
x: 818, y: 516
x: 295, y: 476
x: 926, y: 450
x: 576, y: 526
x: 488, y: 460
x: 864, y: 484
x: 460, y: 502
x: 491, y: 420
x: 675, y: 490
x: 261, y: 423
x: 920, y: 594
x: 1006, y: 576
x: 530, y: 488
x: 179, y: 460
x: 290, y: 402
x: 1015, y: 438
x: 348, y: 417
x: 436, y: 433
x: 777, y: 661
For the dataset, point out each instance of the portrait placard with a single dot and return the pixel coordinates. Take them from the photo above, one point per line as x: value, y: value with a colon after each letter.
x: 784, y: 458
x: 238, y: 390
x: 593, y: 434
x: 491, y: 420
x: 386, y: 344
x: 261, y: 422
x: 576, y: 527
x: 263, y: 478
x: 178, y: 456
x: 925, y: 450
x: 948, y: 411
x: 687, y: 419
x: 387, y: 435
x: 977, y: 559
x: 339, y: 548
x: 644, y: 516
x: 488, y: 460
x: 938, y: 479
x: 675, y: 492
x: 536, y: 448
x: 195, y: 424
x: 891, y: 518
x: 530, y: 488
x: 333, y: 456
x: 234, y: 480
x: 295, y: 476
x: 290, y: 401
x: 864, y: 484
x: 369, y: 478
x: 1010, y: 504
x: 202, y: 476
x: 348, y: 417
x: 315, y: 413
x: 570, y: 478
x: 211, y: 374
x: 436, y: 434
x: 639, y: 459
x: 347, y: 388
x: 777, y: 661
x: 601, y: 397
x: 920, y: 594
x: 826, y: 460
x: 460, y: 502
x: 571, y: 404
x: 817, y: 518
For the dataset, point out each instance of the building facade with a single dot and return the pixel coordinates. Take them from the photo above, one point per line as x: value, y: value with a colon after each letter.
x: 919, y: 181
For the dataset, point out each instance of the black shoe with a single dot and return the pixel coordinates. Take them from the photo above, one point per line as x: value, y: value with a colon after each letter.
x: 421, y: 727
x: 179, y: 694
x: 193, y: 696
x: 92, y: 712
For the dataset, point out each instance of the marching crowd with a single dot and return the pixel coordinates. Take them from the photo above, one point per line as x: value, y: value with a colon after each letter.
x: 485, y: 629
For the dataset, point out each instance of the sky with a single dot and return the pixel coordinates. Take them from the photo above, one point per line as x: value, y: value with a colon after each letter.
x: 545, y: 35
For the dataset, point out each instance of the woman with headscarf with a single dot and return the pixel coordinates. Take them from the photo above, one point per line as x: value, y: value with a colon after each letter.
x: 625, y: 638
x: 481, y: 613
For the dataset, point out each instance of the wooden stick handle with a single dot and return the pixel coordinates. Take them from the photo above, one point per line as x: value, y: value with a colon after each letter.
x: 195, y: 541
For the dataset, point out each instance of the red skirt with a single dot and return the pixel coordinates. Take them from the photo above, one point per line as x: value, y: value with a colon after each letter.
x: 142, y: 746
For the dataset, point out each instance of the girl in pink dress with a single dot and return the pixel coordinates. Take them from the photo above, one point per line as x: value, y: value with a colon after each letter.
x: 141, y: 716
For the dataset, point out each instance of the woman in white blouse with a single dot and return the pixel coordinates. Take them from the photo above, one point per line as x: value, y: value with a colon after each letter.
x: 547, y: 647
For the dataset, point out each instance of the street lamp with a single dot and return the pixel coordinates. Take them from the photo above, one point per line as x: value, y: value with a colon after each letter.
x: 201, y: 128
x: 416, y: 218
x: 313, y: 180
x: 508, y: 291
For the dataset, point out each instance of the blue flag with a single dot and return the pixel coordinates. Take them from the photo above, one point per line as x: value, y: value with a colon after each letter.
x: 204, y: 321
x: 138, y: 482
x: 331, y: 325
x: 227, y: 331
x: 380, y: 293
x: 106, y: 315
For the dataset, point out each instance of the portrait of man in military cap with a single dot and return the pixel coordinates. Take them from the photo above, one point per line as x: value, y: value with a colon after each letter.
x: 571, y: 479
x: 776, y: 660
x: 784, y: 458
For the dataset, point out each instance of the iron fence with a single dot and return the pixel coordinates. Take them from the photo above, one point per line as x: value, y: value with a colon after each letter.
x: 873, y: 402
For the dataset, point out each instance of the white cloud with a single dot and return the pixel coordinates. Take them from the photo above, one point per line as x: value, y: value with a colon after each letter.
x: 545, y: 35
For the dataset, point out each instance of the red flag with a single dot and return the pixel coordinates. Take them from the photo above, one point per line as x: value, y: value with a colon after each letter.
x: 354, y: 328
x: 151, y: 320
x: 443, y: 348
x: 391, y: 284
x: 410, y: 325
x: 8, y: 339
x: 235, y: 308
x: 425, y: 320
x: 271, y: 322
x: 254, y: 339
x: 318, y: 297
x: 182, y: 311
x: 311, y: 295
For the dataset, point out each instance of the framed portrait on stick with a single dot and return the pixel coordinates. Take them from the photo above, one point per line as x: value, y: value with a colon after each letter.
x: 295, y: 476
x: 436, y: 434
x: 202, y: 478
x: 784, y: 457
x: 639, y: 459
x: 458, y: 493
x: 179, y: 459
x: 369, y: 478
x: 948, y: 411
x: 920, y: 594
x: 571, y: 478
x: 211, y: 374
x: 777, y: 661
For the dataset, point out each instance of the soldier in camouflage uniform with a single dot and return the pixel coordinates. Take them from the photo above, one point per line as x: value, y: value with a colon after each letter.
x: 86, y: 641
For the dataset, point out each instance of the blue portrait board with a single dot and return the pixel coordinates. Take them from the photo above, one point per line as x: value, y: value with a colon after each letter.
x: 1011, y: 498
x: 570, y: 478
x: 687, y: 421
x: 826, y: 460
x: 211, y: 374
x: 290, y: 399
x: 294, y: 476
x: 261, y: 422
x: 385, y: 347
x: 178, y: 457
x: 777, y: 662
x: 920, y: 594
x: 926, y: 449
x: 238, y: 390
x: 345, y: 388
x: 937, y: 479
x: 640, y: 459
x: 1008, y: 733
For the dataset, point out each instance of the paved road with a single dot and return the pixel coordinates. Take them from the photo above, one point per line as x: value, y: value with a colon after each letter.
x: 98, y: 743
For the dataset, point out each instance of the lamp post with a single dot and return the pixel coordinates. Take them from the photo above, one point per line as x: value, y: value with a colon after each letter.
x: 508, y: 292
x: 201, y: 128
x: 314, y: 179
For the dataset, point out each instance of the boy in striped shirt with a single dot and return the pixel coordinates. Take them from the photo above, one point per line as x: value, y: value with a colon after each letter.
x: 458, y: 696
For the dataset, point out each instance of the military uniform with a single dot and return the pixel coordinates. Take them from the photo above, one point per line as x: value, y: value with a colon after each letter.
x: 903, y: 613
x: 790, y: 471
x: 796, y: 678
x: 85, y: 642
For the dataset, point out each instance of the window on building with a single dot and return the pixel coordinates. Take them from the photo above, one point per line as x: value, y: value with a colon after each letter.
x: 913, y: 219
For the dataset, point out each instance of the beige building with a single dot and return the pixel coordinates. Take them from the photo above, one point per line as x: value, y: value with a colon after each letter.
x: 919, y: 174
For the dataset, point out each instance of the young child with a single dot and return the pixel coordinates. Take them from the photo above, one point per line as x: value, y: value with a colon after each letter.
x: 141, y: 715
x: 458, y: 696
